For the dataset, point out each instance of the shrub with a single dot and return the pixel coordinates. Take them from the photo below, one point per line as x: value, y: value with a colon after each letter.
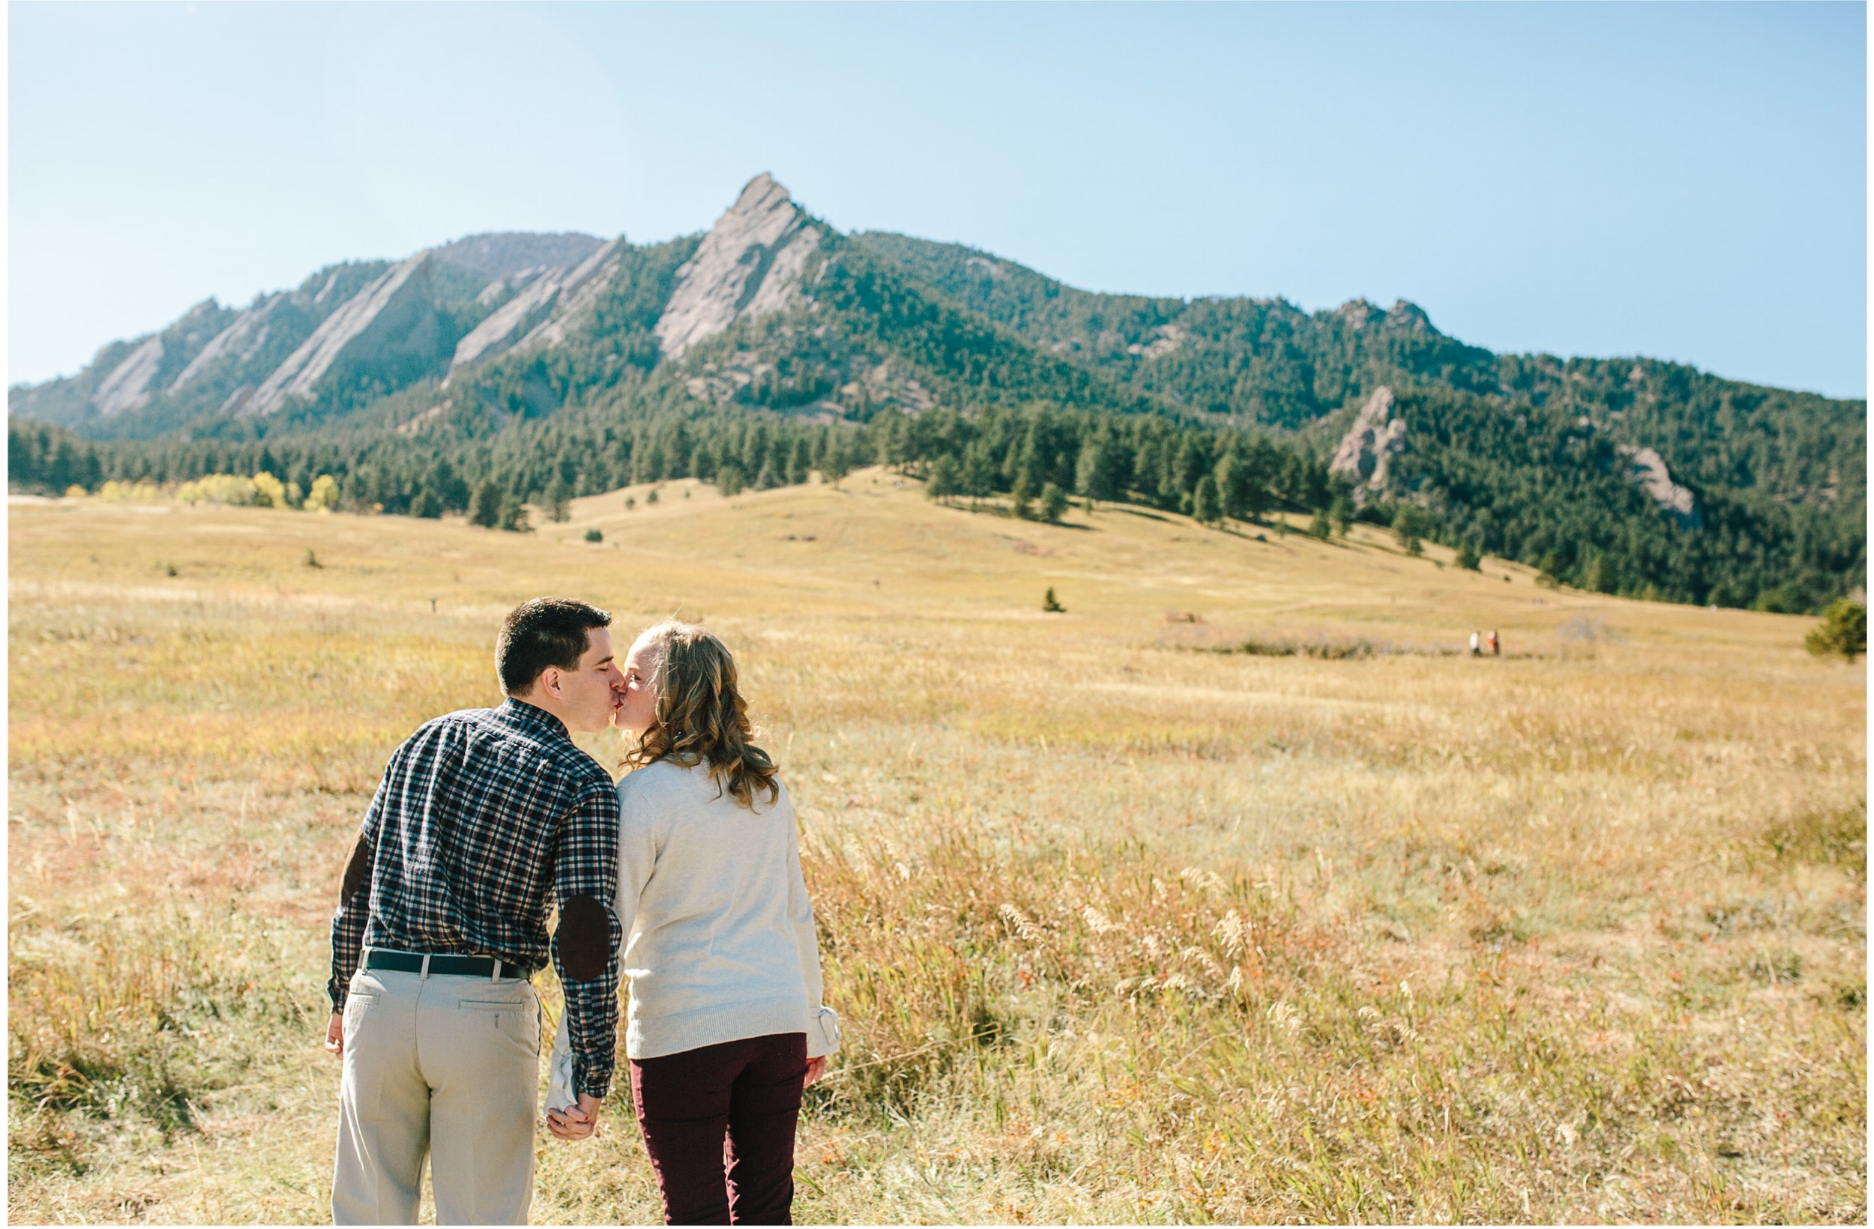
x: 324, y: 494
x: 1052, y: 604
x: 1468, y: 558
x: 269, y: 492
x: 593, y: 535
x: 1843, y: 630
x: 1053, y: 503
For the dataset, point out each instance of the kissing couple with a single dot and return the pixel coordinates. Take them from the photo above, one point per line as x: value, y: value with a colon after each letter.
x: 684, y: 878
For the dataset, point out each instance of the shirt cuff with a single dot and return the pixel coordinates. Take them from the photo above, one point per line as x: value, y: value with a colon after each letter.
x: 588, y: 1080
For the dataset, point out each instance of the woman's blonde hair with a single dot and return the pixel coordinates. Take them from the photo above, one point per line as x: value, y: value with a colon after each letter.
x: 701, y: 716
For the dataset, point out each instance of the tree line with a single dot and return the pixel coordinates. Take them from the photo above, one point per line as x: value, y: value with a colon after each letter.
x: 1539, y: 495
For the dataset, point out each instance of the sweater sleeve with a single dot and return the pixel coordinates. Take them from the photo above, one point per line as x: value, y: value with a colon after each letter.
x: 807, y: 942
x: 637, y: 856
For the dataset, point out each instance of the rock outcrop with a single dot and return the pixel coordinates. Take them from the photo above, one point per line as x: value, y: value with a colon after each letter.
x: 238, y: 342
x: 543, y: 309
x: 749, y: 264
x: 1367, y: 449
x: 301, y: 371
x: 127, y: 387
x: 1650, y: 472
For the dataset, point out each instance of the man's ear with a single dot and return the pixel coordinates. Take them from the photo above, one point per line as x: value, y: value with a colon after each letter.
x: 549, y: 681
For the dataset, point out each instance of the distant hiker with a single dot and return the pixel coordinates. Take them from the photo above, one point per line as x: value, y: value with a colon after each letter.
x: 484, y: 819
x: 1475, y: 650
x: 726, y: 1026
x: 1496, y: 646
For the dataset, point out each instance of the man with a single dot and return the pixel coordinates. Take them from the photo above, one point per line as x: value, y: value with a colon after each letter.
x: 484, y: 818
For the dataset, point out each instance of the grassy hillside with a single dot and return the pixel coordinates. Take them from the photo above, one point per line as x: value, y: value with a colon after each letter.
x: 1127, y: 923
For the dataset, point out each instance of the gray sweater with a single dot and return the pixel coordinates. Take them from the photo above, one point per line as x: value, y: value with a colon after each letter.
x: 719, y: 934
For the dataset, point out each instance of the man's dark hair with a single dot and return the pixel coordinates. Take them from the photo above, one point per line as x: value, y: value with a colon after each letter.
x: 548, y: 631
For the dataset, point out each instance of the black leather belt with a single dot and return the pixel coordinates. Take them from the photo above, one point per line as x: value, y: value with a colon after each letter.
x: 442, y: 964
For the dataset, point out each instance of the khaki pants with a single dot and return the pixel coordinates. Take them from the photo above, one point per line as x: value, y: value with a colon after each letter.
x: 443, y: 1066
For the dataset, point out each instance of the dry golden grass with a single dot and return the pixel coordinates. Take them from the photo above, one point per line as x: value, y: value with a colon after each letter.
x: 1124, y: 928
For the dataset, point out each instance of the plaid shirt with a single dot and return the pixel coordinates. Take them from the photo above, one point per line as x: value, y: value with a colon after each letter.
x: 479, y: 814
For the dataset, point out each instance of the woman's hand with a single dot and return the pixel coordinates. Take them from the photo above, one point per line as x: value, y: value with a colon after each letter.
x: 816, y: 1067
x: 575, y: 1123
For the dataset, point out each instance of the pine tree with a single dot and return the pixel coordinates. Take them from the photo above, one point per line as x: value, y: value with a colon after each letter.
x: 512, y: 515
x: 945, y: 479
x: 1206, y: 508
x: 833, y: 463
x: 1024, y: 495
x: 1096, y: 473
x: 979, y: 471
x: 485, y: 506
x: 1051, y: 604
x: 1053, y: 503
x: 559, y: 495
x: 1341, y: 512
x: 1233, y: 483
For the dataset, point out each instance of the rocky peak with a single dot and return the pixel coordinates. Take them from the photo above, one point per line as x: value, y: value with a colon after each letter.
x: 1409, y: 317
x: 498, y: 256
x: 749, y: 264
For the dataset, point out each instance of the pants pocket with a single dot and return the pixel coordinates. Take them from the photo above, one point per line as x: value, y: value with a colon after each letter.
x: 518, y: 1022
x: 357, y: 1006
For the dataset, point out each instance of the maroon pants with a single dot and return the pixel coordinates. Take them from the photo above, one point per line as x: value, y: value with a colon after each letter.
x: 719, y: 1125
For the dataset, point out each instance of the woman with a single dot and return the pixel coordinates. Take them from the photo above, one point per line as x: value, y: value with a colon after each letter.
x: 725, y: 1026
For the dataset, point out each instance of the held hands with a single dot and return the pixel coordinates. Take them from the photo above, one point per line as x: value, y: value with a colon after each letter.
x: 581, y: 1122
x: 575, y: 1123
x: 335, y: 1035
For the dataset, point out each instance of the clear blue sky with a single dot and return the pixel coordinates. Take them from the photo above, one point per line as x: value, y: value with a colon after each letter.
x: 1684, y: 181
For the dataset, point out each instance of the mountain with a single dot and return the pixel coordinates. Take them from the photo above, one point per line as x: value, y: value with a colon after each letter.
x: 347, y: 334
x: 566, y: 362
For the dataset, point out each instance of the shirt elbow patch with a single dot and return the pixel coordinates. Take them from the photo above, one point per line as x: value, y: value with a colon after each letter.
x: 356, y: 871
x: 585, y: 938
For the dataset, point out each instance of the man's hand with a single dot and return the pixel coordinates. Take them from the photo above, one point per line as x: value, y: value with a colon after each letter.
x: 335, y: 1035
x: 575, y: 1123
x: 816, y: 1067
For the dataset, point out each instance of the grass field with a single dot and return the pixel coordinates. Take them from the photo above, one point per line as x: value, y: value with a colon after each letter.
x: 1124, y: 926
